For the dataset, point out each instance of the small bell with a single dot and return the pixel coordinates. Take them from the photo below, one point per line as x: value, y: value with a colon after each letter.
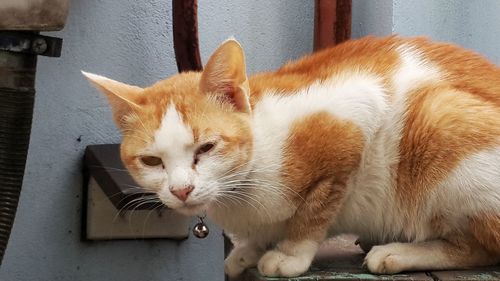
x: 200, y: 230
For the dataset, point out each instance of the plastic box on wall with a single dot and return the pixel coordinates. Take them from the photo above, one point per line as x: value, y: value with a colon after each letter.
x: 116, y: 208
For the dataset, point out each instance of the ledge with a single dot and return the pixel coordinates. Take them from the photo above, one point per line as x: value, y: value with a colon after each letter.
x: 340, y: 260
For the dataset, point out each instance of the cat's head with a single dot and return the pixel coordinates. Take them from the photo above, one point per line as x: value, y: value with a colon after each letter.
x: 185, y: 138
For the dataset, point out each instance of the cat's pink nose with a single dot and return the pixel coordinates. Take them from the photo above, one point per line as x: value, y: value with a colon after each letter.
x: 182, y: 192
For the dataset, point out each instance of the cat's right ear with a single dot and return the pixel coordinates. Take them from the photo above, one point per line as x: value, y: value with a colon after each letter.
x: 225, y: 76
x: 122, y: 97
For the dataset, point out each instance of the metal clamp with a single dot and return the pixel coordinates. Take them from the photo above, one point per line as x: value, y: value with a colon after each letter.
x: 30, y: 43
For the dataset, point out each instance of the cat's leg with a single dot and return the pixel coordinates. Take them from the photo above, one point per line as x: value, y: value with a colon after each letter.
x: 431, y: 255
x: 305, y: 231
x: 243, y: 256
x: 289, y: 259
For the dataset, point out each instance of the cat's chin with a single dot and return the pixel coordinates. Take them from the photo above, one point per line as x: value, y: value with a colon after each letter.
x: 193, y: 209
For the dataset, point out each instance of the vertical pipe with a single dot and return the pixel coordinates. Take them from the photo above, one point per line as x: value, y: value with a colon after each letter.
x: 343, y: 25
x: 332, y: 22
x: 17, y: 93
x: 185, y: 29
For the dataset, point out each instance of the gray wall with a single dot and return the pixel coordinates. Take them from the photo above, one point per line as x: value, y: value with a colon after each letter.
x: 371, y: 17
x: 473, y: 24
x: 131, y: 41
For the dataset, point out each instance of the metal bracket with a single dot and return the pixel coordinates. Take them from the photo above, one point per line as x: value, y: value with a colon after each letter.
x: 30, y: 43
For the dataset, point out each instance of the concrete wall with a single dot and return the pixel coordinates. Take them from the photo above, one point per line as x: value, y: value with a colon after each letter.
x: 371, y: 17
x: 130, y: 41
x: 473, y: 24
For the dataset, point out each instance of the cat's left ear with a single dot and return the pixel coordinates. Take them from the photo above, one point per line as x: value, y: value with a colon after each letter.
x: 123, y: 98
x: 225, y: 76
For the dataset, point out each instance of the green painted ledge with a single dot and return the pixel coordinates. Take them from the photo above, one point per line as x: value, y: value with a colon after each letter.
x: 339, y: 259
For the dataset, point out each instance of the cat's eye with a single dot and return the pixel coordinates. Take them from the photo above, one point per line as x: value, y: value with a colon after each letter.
x: 152, y: 161
x: 202, y: 150
x: 205, y: 148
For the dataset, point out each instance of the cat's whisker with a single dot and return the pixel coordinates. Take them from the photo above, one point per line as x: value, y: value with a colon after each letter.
x: 266, y: 169
x: 217, y: 202
x: 155, y: 207
x: 273, y: 185
x: 238, y: 200
x: 133, y: 201
x: 231, y: 199
x: 147, y: 201
x: 267, y: 192
x: 249, y: 196
x: 129, y: 195
x: 233, y: 169
x: 128, y: 192
x: 141, y: 203
x: 261, y: 182
x: 133, y: 186
x: 258, y: 210
x: 277, y: 186
x: 107, y: 168
x: 239, y: 186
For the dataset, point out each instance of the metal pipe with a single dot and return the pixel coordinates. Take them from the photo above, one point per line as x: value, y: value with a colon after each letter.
x: 17, y: 93
x: 185, y: 29
x: 332, y: 22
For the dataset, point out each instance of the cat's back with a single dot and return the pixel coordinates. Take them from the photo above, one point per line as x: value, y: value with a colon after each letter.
x: 386, y: 58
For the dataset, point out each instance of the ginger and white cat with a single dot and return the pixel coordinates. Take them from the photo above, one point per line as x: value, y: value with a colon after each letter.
x: 395, y: 140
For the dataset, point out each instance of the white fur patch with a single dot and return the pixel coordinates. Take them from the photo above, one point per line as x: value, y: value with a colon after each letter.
x: 290, y: 259
x: 357, y: 97
x: 472, y: 188
x: 414, y: 70
x: 171, y: 142
x: 173, y: 133
x: 373, y: 185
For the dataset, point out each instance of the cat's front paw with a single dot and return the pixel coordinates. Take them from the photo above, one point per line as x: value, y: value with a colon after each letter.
x: 276, y: 263
x: 385, y: 259
x: 240, y: 259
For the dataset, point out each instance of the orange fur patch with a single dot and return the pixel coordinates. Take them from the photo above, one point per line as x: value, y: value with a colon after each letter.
x: 369, y: 54
x: 320, y: 154
x: 486, y: 229
x: 465, y: 70
x: 443, y: 126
